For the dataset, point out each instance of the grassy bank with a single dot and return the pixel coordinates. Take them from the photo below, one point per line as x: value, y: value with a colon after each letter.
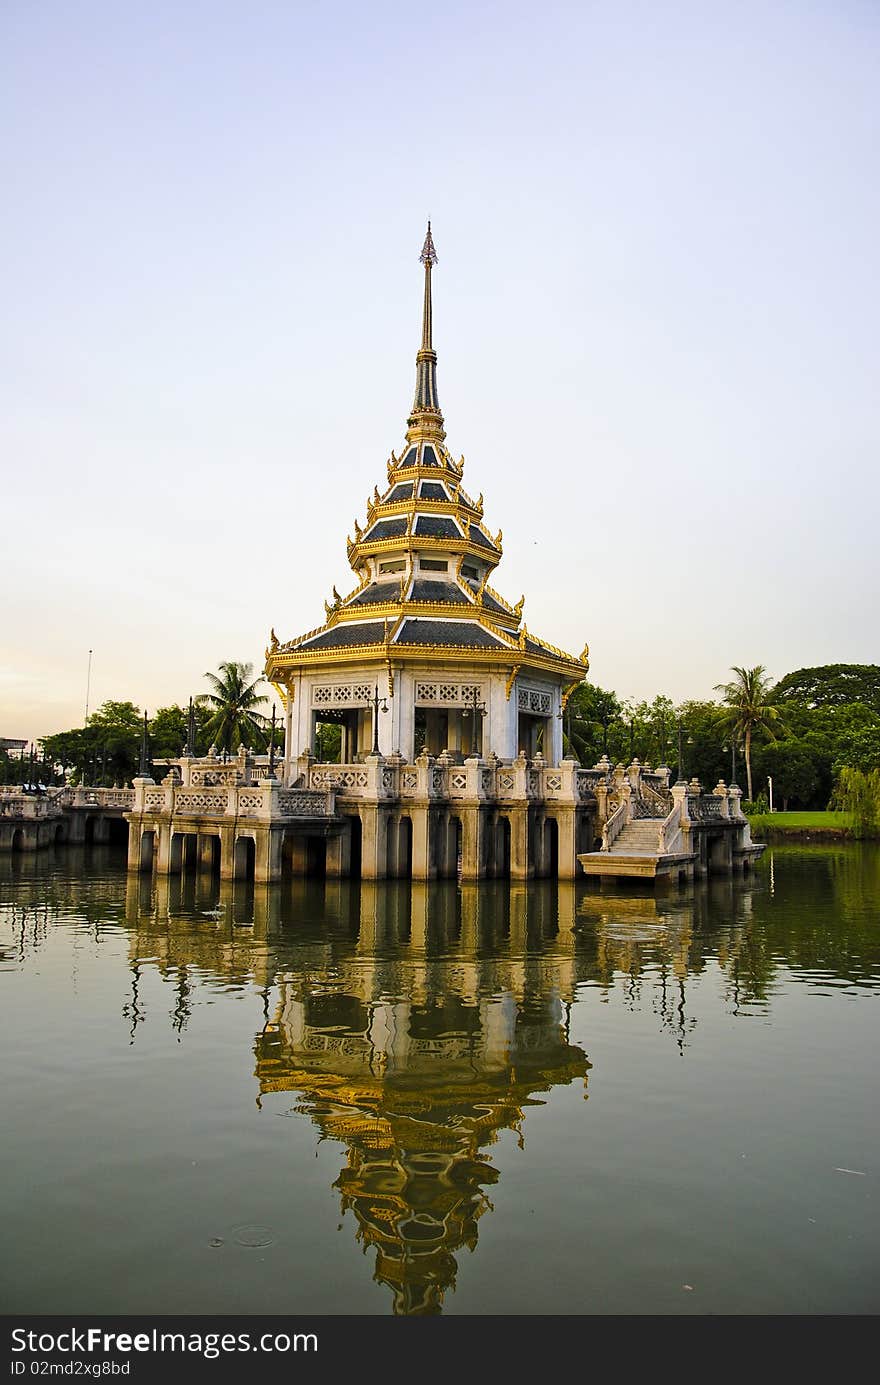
x: 800, y: 827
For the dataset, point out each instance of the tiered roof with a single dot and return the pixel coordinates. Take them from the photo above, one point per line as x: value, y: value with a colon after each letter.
x: 423, y: 558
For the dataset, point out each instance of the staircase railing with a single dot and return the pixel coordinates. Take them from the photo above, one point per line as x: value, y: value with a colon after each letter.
x: 615, y: 825
x: 651, y: 801
x: 669, y: 832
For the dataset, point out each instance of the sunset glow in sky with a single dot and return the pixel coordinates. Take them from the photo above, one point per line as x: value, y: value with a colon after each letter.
x: 655, y: 312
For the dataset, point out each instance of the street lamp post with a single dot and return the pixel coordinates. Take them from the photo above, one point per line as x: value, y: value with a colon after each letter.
x: 144, y: 770
x: 379, y: 705
x: 476, y: 709
x: 191, y: 730
x: 681, y: 743
x: 272, y: 747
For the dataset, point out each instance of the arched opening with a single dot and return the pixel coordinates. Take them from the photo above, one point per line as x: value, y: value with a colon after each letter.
x: 18, y: 840
x: 501, y: 845
x: 454, y: 849
x: 208, y: 849
x: 551, y: 848
x: 244, y: 858
x: 91, y: 822
x: 294, y: 854
x: 148, y: 848
x: 356, y: 841
x: 316, y: 855
x: 60, y: 833
x: 175, y: 860
x: 403, y: 847
x: 190, y: 848
x: 117, y: 831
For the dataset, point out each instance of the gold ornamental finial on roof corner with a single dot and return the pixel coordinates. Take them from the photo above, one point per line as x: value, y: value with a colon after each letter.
x: 429, y: 254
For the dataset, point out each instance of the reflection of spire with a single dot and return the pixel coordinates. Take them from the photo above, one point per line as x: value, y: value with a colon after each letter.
x: 133, y: 1009
x: 182, y: 1009
x: 426, y: 415
x: 415, y: 1091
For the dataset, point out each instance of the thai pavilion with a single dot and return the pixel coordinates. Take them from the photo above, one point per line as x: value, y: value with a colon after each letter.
x: 423, y: 625
x: 424, y: 723
x: 423, y: 657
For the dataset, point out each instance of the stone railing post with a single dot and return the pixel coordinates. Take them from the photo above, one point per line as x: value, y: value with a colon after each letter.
x: 270, y: 789
x: 139, y: 785
x: 520, y: 767
x: 680, y: 799
x: 374, y: 765
x: 424, y: 763
x: 734, y: 802
x: 567, y: 772
x: 634, y: 774
x: 720, y: 792
x: 472, y: 767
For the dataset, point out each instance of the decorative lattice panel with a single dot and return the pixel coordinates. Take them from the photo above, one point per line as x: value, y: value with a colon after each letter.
x: 531, y: 700
x: 341, y: 695
x: 447, y: 694
x: 186, y: 801
x: 301, y: 803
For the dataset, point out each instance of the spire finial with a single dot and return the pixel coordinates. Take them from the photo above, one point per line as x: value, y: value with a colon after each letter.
x: 429, y: 254
x: 426, y: 415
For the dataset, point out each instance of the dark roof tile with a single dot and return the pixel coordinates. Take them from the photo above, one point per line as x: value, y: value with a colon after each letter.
x: 448, y: 632
x: 375, y: 593
x: 491, y: 604
x: 436, y: 527
x: 340, y: 636
x: 385, y: 529
x: 424, y: 590
x: 478, y: 537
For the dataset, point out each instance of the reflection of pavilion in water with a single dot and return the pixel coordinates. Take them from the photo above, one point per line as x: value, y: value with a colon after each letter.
x: 415, y: 1053
x: 413, y: 1040
x: 416, y: 1023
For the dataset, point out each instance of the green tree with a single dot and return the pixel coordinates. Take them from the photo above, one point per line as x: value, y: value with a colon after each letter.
x: 749, y: 709
x: 794, y: 770
x: 704, y: 750
x: 859, y: 793
x: 169, y: 728
x: 591, y: 720
x: 105, y: 750
x: 233, y: 719
x: 832, y: 685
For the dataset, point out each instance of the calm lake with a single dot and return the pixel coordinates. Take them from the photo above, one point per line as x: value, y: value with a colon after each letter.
x: 334, y: 1097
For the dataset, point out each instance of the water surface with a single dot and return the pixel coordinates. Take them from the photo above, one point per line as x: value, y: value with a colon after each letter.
x: 334, y: 1097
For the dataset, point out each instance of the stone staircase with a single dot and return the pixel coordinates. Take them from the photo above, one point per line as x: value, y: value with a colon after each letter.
x: 635, y: 854
x: 638, y: 838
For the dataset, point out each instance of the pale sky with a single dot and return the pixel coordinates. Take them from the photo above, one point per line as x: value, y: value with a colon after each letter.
x: 655, y: 310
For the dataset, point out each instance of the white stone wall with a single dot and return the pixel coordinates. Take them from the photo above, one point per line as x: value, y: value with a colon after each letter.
x: 397, y: 725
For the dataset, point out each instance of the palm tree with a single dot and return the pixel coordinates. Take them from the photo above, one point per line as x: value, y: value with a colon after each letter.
x: 234, y: 720
x: 747, y: 700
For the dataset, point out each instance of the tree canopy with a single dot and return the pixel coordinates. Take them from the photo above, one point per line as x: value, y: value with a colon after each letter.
x: 832, y: 685
x: 232, y: 704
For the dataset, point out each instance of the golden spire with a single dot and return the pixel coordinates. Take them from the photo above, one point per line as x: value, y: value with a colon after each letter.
x: 426, y: 418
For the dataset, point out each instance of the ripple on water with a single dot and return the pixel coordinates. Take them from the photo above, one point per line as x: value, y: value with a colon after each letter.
x: 253, y: 1237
